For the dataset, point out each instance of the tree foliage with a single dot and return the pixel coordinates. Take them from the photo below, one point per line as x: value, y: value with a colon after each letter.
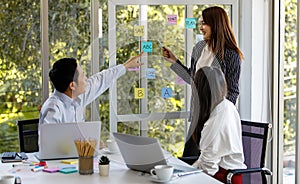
x: 290, y: 82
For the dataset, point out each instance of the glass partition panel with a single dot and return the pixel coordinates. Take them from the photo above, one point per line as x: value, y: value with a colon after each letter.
x: 156, y: 31
x: 173, y: 128
x: 70, y: 32
x: 20, y: 67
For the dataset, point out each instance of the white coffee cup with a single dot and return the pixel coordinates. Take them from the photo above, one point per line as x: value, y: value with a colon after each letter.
x: 112, y: 145
x: 7, y: 179
x: 163, y: 172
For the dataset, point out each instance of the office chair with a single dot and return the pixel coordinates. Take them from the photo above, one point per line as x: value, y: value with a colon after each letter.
x: 190, y: 152
x: 28, y: 135
x: 255, y: 138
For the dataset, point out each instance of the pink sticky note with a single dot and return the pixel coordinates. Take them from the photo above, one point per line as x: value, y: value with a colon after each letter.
x: 172, y: 19
x: 134, y: 69
x: 179, y: 80
x: 51, y: 170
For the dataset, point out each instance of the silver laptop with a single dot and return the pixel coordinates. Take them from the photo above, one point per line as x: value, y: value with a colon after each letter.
x: 143, y: 153
x: 56, y: 141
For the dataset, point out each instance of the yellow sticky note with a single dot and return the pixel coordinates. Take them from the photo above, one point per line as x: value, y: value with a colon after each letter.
x: 69, y: 161
x: 139, y: 93
x: 139, y: 31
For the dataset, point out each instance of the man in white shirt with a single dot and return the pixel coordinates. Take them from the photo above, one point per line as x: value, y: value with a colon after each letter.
x: 73, y: 91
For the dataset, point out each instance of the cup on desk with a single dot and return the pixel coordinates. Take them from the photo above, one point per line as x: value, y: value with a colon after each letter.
x: 112, y: 145
x: 86, y: 165
x: 162, y: 172
x: 7, y: 179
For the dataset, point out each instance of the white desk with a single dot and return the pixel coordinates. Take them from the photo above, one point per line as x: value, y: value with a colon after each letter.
x: 119, y: 174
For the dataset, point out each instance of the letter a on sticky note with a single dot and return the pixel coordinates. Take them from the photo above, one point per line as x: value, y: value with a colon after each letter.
x: 166, y: 92
x: 139, y: 31
x: 139, y: 93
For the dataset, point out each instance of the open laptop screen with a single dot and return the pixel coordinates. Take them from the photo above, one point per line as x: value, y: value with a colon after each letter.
x: 140, y: 153
x: 56, y: 141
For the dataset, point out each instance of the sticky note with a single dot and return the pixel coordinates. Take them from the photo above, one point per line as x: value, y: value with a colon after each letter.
x: 138, y: 31
x: 179, y: 80
x: 134, y: 69
x: 67, y: 166
x: 139, y: 93
x: 51, y: 170
x: 68, y: 171
x: 172, y: 19
x: 166, y: 92
x: 147, y: 46
x: 73, y: 161
x: 190, y: 23
x: 150, y: 73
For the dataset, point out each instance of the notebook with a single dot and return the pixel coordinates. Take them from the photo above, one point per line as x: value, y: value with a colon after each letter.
x: 143, y: 153
x: 56, y: 141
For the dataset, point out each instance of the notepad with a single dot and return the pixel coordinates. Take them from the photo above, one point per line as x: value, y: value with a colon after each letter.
x: 51, y: 170
x: 68, y: 171
x: 65, y: 166
x: 70, y: 161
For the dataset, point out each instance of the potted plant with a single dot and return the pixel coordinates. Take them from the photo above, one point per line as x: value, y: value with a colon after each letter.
x: 104, y: 166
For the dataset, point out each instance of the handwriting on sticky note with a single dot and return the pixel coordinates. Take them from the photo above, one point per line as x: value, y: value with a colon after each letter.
x: 139, y: 31
x: 150, y: 73
x: 190, y: 23
x: 166, y: 92
x: 147, y: 46
x: 139, y: 93
x: 172, y: 19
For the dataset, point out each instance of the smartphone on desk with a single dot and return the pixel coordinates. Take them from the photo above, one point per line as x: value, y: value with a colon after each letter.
x: 13, y: 157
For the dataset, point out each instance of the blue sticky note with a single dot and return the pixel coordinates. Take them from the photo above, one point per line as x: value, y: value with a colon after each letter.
x: 166, y: 92
x: 190, y: 23
x: 150, y: 73
x: 147, y: 46
x: 68, y: 171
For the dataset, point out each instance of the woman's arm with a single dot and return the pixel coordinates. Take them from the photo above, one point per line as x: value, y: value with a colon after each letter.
x: 232, y: 75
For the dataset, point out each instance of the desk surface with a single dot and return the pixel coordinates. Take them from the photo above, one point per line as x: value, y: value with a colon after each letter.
x: 118, y: 173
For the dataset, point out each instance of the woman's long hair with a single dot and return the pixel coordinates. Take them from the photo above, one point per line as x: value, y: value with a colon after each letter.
x: 222, y: 35
x: 209, y: 89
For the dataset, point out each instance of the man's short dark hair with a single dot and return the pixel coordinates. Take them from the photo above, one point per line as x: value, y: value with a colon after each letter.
x: 63, y: 72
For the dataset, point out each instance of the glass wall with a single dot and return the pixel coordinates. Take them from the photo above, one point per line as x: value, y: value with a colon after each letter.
x: 290, y: 83
x: 20, y: 67
x: 131, y: 28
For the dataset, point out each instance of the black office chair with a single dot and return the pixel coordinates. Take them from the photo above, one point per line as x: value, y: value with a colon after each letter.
x: 28, y: 135
x: 190, y: 153
x: 255, y: 139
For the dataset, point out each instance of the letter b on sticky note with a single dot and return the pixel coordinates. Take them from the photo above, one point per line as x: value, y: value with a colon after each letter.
x: 139, y: 93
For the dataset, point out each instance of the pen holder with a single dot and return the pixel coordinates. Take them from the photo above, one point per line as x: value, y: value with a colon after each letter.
x: 86, y: 165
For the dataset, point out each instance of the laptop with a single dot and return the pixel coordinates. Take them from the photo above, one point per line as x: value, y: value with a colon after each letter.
x: 56, y: 141
x: 143, y: 153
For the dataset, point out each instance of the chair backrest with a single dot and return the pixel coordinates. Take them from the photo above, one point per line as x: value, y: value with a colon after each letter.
x: 28, y: 135
x: 255, y: 138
